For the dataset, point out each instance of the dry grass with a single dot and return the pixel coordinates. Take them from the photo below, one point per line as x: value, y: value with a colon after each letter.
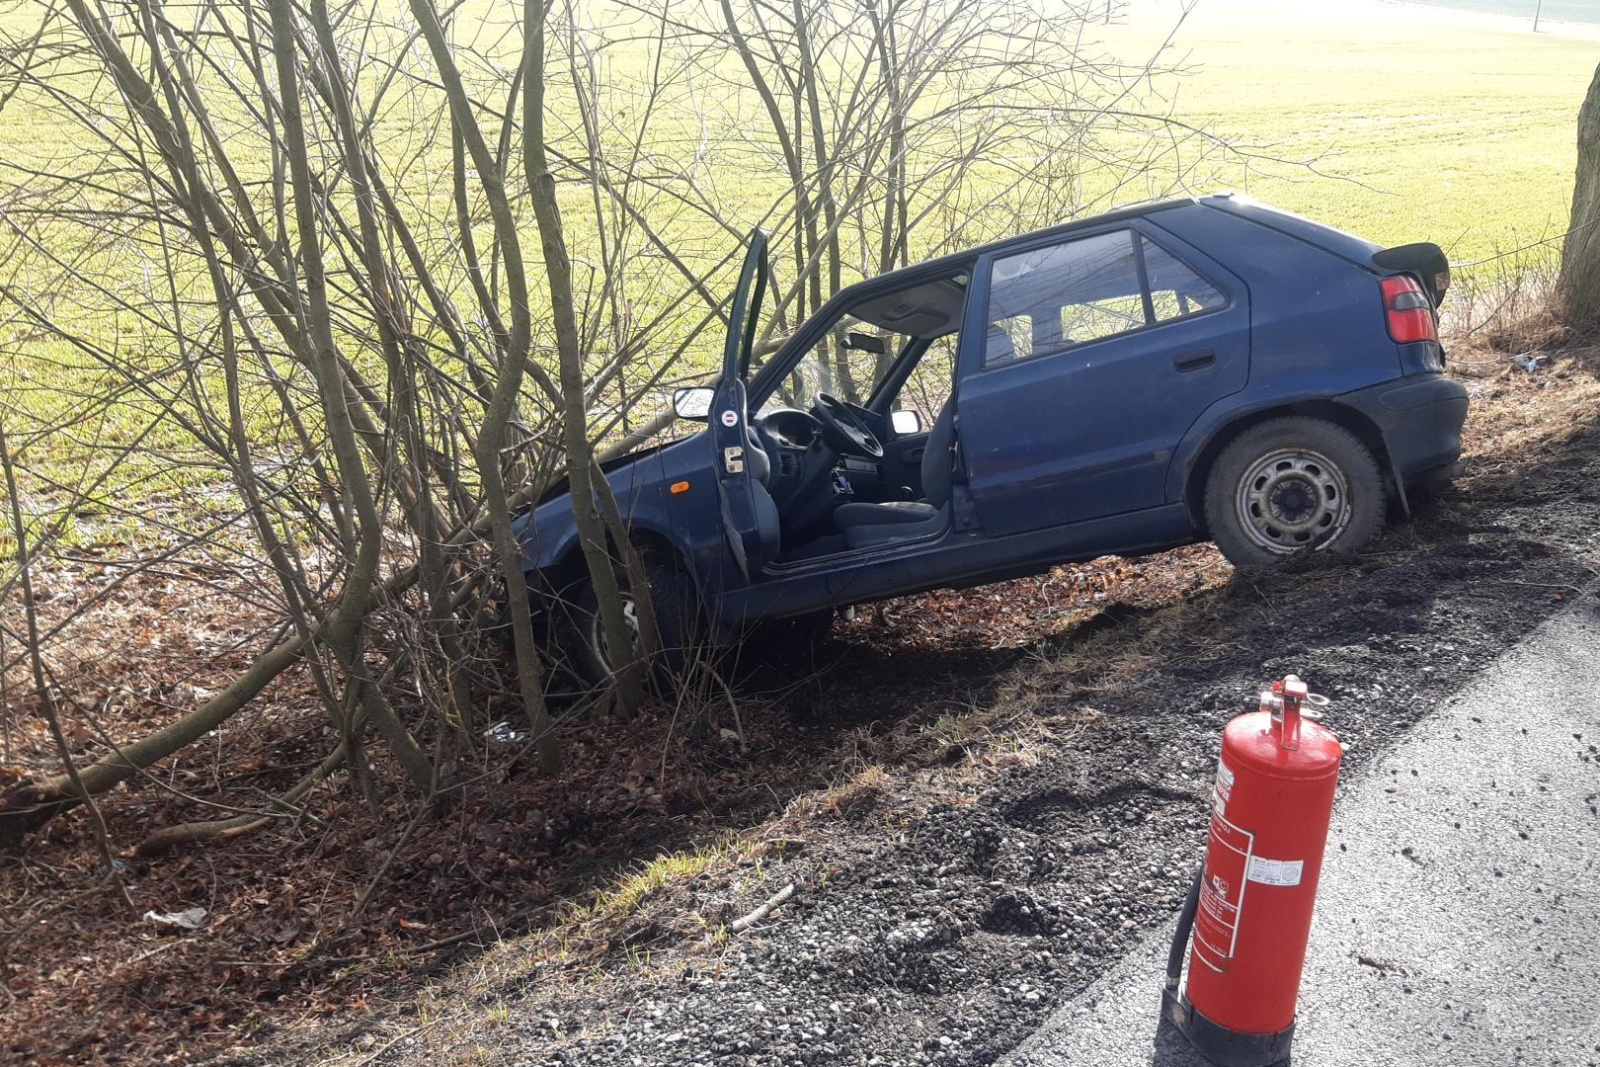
x: 855, y: 794
x: 1520, y: 416
x: 1501, y: 309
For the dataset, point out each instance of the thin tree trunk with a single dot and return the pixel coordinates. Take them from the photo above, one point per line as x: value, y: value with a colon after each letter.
x: 517, y: 341
x: 629, y: 674
x: 364, y: 535
x: 41, y: 686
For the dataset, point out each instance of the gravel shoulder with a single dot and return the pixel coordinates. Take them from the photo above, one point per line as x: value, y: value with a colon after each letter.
x: 1454, y: 922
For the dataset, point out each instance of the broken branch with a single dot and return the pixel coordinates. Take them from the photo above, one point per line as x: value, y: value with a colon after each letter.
x: 773, y: 903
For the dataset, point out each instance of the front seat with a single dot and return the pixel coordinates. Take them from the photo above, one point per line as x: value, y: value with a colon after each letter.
x: 768, y: 524
x: 864, y: 525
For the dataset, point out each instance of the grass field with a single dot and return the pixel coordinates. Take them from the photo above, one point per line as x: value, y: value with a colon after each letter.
x: 1424, y: 123
x: 1416, y: 122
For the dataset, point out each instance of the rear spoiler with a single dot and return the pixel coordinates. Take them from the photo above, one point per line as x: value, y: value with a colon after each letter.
x: 1424, y: 259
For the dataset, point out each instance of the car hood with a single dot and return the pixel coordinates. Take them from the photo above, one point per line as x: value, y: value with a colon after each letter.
x: 559, y: 486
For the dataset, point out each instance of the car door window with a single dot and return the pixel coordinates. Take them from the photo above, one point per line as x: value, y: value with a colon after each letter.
x: 1063, y: 294
x: 1176, y: 291
x: 1067, y: 294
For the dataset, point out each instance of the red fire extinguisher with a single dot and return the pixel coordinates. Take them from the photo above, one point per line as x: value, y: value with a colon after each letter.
x: 1250, y: 906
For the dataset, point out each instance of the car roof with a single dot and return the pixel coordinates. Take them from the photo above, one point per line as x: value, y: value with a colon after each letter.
x: 956, y: 260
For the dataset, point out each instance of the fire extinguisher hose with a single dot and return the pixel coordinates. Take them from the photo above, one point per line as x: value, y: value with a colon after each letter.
x: 1180, y: 938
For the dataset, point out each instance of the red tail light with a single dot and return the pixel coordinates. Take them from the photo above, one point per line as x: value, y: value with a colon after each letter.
x: 1408, y: 309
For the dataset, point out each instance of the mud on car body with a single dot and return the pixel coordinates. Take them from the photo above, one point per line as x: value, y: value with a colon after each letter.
x: 1194, y: 369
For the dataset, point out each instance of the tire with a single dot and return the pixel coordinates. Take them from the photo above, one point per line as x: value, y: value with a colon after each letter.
x: 1293, y: 485
x: 677, y: 622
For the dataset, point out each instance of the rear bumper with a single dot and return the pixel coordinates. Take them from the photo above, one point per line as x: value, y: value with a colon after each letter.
x: 1421, y: 418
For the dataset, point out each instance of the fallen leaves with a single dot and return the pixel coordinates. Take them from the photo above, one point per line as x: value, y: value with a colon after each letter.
x: 1023, y: 612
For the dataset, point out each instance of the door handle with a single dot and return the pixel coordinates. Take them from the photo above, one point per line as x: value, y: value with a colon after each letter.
x: 913, y: 456
x: 1195, y: 360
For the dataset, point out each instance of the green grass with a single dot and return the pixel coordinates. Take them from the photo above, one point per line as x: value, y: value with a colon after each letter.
x: 631, y: 891
x: 1459, y: 129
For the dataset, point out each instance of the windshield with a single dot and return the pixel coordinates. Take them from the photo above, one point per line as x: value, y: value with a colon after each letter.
x: 852, y: 358
x: 848, y: 361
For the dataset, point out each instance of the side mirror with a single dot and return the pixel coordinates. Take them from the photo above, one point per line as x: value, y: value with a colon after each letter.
x: 693, y: 403
x: 905, y: 423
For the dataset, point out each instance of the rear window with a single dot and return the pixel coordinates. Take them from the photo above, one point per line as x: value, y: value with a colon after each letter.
x: 1086, y: 289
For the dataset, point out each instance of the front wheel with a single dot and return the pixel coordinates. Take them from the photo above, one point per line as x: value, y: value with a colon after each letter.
x: 677, y: 622
x: 1293, y: 485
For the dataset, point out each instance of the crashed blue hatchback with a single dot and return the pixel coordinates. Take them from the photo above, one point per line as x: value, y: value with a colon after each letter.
x: 1195, y: 369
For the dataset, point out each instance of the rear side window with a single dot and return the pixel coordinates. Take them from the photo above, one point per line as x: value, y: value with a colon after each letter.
x: 1062, y: 295
x: 1175, y: 289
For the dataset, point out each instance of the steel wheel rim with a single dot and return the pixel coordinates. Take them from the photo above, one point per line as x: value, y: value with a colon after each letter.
x: 597, y: 630
x: 1292, y: 499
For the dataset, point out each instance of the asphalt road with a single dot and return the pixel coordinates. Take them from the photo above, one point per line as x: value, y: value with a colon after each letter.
x: 1458, y: 921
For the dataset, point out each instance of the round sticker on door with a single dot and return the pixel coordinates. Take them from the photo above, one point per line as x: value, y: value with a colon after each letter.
x: 730, y: 418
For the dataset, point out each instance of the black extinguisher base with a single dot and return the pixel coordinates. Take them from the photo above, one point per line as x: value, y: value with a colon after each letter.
x: 1220, y: 1045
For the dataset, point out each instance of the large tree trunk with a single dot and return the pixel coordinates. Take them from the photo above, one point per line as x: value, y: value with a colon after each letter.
x: 1578, y: 287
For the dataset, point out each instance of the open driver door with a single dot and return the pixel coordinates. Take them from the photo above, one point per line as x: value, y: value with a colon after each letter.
x: 749, y: 516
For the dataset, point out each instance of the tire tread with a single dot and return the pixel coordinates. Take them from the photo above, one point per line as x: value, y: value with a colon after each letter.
x: 1361, y: 471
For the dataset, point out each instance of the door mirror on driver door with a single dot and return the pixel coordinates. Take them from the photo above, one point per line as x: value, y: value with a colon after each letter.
x: 905, y: 423
x: 693, y: 403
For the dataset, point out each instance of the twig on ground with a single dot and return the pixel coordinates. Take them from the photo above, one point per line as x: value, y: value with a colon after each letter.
x: 388, y: 861
x: 773, y: 903
x: 287, y: 806
x: 733, y: 706
x: 1542, y: 585
x: 392, y: 1042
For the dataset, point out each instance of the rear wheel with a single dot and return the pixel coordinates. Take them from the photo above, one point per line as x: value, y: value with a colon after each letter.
x: 677, y: 622
x: 1293, y: 485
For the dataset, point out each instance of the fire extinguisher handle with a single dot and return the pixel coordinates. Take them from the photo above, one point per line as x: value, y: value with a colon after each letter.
x: 1287, y: 702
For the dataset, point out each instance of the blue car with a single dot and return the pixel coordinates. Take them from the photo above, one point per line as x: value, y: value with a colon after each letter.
x: 1194, y: 369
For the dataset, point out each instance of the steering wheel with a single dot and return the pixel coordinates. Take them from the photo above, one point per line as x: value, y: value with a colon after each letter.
x: 844, y: 430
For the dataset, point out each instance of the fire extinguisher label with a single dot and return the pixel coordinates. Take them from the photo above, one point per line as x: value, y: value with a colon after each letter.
x: 1224, y: 789
x: 1274, y: 872
x: 1216, y: 926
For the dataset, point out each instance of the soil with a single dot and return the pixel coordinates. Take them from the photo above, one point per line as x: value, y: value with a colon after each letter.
x: 981, y: 800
